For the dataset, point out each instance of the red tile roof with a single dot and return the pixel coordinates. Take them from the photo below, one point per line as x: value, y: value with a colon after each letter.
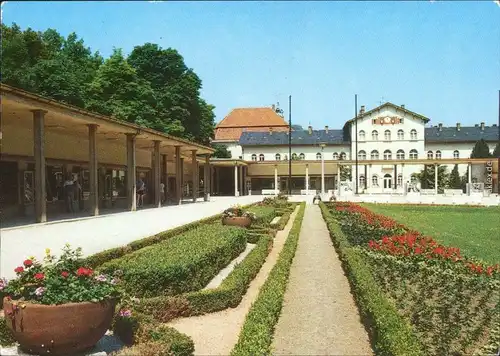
x: 248, y: 119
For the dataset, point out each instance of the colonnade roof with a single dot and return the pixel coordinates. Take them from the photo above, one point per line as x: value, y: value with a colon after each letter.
x: 71, y: 119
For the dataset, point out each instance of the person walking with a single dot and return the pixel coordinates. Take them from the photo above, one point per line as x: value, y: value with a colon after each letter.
x: 162, y: 192
x: 69, y: 193
x: 141, y: 190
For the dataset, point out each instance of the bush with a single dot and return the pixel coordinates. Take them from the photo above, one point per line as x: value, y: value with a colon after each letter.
x: 265, y: 214
x: 6, y: 337
x: 390, y: 333
x: 258, y: 329
x: 180, y: 265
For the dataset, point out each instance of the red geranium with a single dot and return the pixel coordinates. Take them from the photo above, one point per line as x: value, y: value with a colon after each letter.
x: 28, y: 263
x: 19, y: 269
x: 39, y: 276
x: 82, y: 271
x: 64, y: 274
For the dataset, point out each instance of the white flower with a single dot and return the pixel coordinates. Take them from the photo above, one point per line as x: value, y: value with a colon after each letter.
x: 3, y: 283
x: 101, y: 278
x: 39, y: 291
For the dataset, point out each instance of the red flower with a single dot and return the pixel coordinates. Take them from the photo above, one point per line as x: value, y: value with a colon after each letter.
x: 39, y: 276
x: 64, y: 274
x: 82, y: 271
x: 19, y: 269
x: 28, y: 263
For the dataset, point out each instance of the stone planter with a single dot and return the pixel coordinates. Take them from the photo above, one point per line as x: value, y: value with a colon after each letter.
x: 58, y: 329
x: 242, y: 221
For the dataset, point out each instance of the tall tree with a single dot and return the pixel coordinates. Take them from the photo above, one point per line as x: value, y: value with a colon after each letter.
x: 427, y: 178
x: 496, y: 151
x: 480, y: 150
x: 221, y: 151
x: 454, y: 181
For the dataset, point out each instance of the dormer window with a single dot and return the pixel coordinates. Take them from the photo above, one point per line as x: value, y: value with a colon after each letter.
x: 261, y: 157
x: 254, y: 157
x: 278, y: 157
x: 335, y: 156
x: 302, y: 156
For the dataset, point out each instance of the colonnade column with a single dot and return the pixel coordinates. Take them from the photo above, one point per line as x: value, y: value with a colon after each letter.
x: 436, y: 168
x: 395, y: 177
x: 131, y: 169
x: 207, y: 177
x: 40, y: 176
x: 164, y: 176
x: 242, y: 191
x: 276, y: 189
x: 178, y: 175
x: 338, y: 177
x: 94, y: 186
x: 369, y: 175
x: 307, y: 179
x: 195, y: 175
x: 157, y: 173
x: 236, y: 181
x: 403, y: 177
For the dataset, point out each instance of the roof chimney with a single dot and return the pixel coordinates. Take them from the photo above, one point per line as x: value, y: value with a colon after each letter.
x: 458, y: 126
x: 402, y: 106
x: 273, y: 107
x: 310, y: 129
x: 482, y: 126
x: 270, y: 131
x: 326, y: 128
x: 440, y: 125
x: 476, y: 125
x: 362, y: 110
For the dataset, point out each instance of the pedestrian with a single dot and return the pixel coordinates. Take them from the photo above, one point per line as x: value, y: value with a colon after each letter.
x: 317, y: 197
x: 141, y: 191
x: 162, y: 192
x: 69, y: 193
x: 78, y: 192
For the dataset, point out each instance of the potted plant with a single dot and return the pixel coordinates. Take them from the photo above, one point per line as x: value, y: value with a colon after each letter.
x: 236, y: 216
x: 59, y: 307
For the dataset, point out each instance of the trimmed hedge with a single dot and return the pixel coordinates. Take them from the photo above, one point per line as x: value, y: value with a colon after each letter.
x: 390, y: 333
x: 100, y: 258
x: 6, y: 337
x: 265, y: 214
x: 258, y: 329
x: 179, y: 265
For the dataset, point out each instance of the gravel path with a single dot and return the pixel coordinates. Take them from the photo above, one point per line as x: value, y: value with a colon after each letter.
x: 319, y: 316
x: 217, y: 333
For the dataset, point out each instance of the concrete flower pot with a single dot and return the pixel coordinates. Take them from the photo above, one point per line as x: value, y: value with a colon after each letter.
x: 242, y: 221
x: 58, y: 329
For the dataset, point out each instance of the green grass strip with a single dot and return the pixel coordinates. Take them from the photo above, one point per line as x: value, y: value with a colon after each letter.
x: 257, y: 333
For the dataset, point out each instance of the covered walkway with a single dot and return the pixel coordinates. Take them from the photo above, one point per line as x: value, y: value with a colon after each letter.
x: 100, y: 233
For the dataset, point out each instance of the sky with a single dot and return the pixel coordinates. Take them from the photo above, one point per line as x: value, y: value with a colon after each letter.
x: 439, y: 58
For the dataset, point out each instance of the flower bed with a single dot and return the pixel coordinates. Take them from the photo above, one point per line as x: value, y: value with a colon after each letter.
x: 257, y: 332
x: 179, y: 265
x: 450, y: 300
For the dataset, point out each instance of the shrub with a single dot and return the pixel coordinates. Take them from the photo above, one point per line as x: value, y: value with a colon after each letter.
x: 390, y: 333
x: 179, y: 265
x: 257, y: 332
x: 264, y: 215
x: 6, y: 337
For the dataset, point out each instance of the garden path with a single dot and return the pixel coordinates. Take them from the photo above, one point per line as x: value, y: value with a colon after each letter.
x: 319, y: 315
x: 217, y: 333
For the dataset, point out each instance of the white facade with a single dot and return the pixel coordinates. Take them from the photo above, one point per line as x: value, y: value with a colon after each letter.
x: 310, y: 153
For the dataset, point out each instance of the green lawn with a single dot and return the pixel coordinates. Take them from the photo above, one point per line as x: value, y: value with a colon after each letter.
x: 476, y: 230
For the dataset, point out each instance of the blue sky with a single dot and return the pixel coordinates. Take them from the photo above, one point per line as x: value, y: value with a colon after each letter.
x: 440, y: 59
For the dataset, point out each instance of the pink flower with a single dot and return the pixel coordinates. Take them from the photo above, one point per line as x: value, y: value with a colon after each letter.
x: 126, y: 313
x: 39, y: 291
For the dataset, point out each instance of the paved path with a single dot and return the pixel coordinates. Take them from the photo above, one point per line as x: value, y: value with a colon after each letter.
x: 104, y: 232
x: 319, y: 316
x: 217, y: 333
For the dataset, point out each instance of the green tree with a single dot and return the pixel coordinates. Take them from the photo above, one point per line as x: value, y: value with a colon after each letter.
x: 345, y: 173
x: 454, y: 180
x: 221, y: 151
x: 496, y: 151
x: 480, y: 150
x: 464, y: 180
x: 426, y: 178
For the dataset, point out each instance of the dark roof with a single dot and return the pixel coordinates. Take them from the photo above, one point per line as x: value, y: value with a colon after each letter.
x: 334, y: 137
x: 466, y: 134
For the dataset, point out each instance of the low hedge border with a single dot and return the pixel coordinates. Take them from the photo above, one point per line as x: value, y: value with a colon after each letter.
x: 257, y: 332
x: 6, y: 337
x: 99, y: 258
x: 389, y: 332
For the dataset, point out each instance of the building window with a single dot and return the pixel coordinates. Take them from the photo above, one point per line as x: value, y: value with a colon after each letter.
x: 387, y: 154
x: 430, y: 155
x: 362, y: 181
x: 342, y: 155
x: 335, y: 156
x: 400, y: 180
x: 254, y: 157
x: 374, y: 154
x: 400, y: 154
x: 278, y: 157
x: 302, y: 156
x: 375, y: 135
x: 375, y: 180
x: 387, y: 135
x: 413, y: 134
x: 294, y: 156
x: 286, y: 158
x: 361, y: 154
x: 401, y: 135
x: 456, y: 154
x: 413, y: 154
x: 438, y: 154
x: 318, y: 156
x: 387, y: 181
x: 361, y: 135
x: 261, y: 157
